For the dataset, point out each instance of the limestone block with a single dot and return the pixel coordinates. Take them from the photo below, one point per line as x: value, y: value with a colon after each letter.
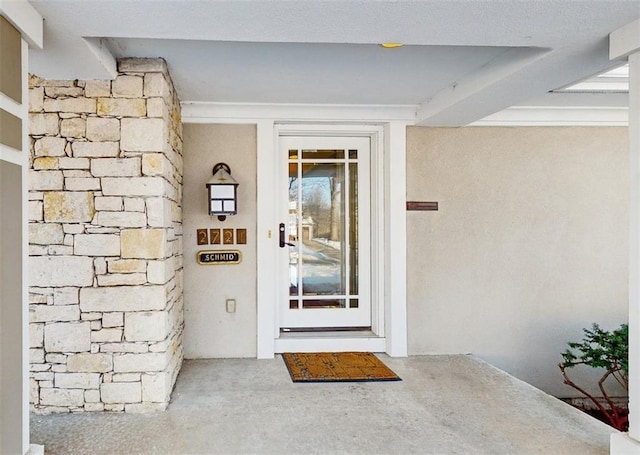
x: 143, y: 243
x: 81, y: 184
x: 100, y: 266
x: 145, y: 408
x: 160, y: 272
x: 67, y: 337
x: 61, y: 397
x: 66, y: 296
x: 36, y: 355
x: 146, y: 326
x: 159, y: 212
x: 77, y: 380
x: 116, y: 167
x: 121, y: 392
x: 73, y: 228
x: 90, y: 363
x: 45, y: 163
x: 143, y: 135
x: 112, y: 335
x: 53, y: 313
x: 113, y: 204
x: 121, y: 219
x: 73, y: 127
x: 103, y: 129
x: 58, y: 92
x: 156, y: 107
x: 126, y: 266
x: 50, y: 146
x: 36, y: 99
x: 142, y: 65
x: 73, y: 163
x: 95, y: 149
x: 126, y: 377
x: 96, y: 89
x: 45, y: 233
x: 114, y: 407
x: 37, y: 367
x: 71, y: 105
x: 36, y: 335
x: 133, y: 186
x: 37, y: 250
x: 56, y: 358
x: 125, y: 298
x: 43, y: 124
x: 97, y: 245
x: 94, y: 407
x: 36, y: 212
x: 155, y: 164
x: 91, y: 396
x: 155, y: 84
x: 127, y: 87
x: 95, y: 325
x: 34, y: 391
x: 68, y: 207
x: 45, y: 180
x: 122, y: 279
x: 121, y: 107
x: 115, y: 319
x: 134, y: 348
x: 156, y: 387
x: 77, y: 173
x: 59, y: 250
x: 134, y: 204
x: 141, y: 363
x: 60, y: 271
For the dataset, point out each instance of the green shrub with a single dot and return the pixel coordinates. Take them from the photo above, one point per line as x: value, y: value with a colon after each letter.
x: 607, y: 350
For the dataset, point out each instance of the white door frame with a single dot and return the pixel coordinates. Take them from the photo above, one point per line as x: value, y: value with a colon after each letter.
x: 389, y: 264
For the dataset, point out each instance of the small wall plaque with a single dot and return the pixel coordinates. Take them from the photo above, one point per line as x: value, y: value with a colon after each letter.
x: 219, y: 257
x: 422, y: 205
x: 202, y: 235
x: 241, y: 236
x: 214, y: 234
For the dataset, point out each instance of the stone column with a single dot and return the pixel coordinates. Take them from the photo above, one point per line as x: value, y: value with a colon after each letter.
x: 625, y: 42
x: 105, y: 238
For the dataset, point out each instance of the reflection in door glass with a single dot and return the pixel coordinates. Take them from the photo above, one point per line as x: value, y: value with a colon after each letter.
x: 322, y: 229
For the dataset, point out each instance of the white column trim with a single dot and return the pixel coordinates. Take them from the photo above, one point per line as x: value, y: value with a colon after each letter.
x: 623, y: 42
x: 396, y: 239
x: 266, y: 329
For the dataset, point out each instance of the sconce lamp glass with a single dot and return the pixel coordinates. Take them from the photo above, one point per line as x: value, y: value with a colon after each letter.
x: 222, y: 192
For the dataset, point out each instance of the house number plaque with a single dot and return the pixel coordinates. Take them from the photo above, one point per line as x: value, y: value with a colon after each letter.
x: 219, y: 257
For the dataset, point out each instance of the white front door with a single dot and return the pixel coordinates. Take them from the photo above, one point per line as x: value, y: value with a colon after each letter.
x: 325, y: 233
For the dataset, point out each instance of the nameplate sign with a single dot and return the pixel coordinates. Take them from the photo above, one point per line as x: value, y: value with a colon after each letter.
x: 219, y: 257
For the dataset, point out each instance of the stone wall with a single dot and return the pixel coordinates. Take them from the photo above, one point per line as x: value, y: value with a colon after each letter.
x: 105, y: 235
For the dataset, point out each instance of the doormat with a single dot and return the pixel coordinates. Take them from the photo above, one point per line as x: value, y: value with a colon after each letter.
x: 337, y: 367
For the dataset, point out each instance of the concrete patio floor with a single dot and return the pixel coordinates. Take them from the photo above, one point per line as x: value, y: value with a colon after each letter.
x: 444, y: 405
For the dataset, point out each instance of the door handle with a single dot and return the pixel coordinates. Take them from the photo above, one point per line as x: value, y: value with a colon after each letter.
x: 282, y: 233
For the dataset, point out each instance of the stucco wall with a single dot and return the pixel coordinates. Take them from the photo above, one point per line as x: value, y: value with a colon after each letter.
x: 209, y: 330
x: 528, y: 247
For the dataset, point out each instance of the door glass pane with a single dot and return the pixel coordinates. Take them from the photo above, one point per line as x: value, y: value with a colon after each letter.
x: 323, y: 154
x: 292, y: 229
x: 353, y: 228
x: 333, y: 303
x: 323, y: 229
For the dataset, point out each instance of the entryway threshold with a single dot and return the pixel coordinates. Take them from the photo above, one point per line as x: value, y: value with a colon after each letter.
x: 332, y: 341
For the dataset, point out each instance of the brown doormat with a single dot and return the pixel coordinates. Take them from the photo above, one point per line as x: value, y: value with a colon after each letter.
x: 337, y: 367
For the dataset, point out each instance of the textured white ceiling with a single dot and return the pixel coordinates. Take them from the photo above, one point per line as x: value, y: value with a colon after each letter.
x: 462, y: 61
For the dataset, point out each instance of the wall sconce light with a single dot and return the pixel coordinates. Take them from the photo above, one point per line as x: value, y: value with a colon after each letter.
x: 222, y: 191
